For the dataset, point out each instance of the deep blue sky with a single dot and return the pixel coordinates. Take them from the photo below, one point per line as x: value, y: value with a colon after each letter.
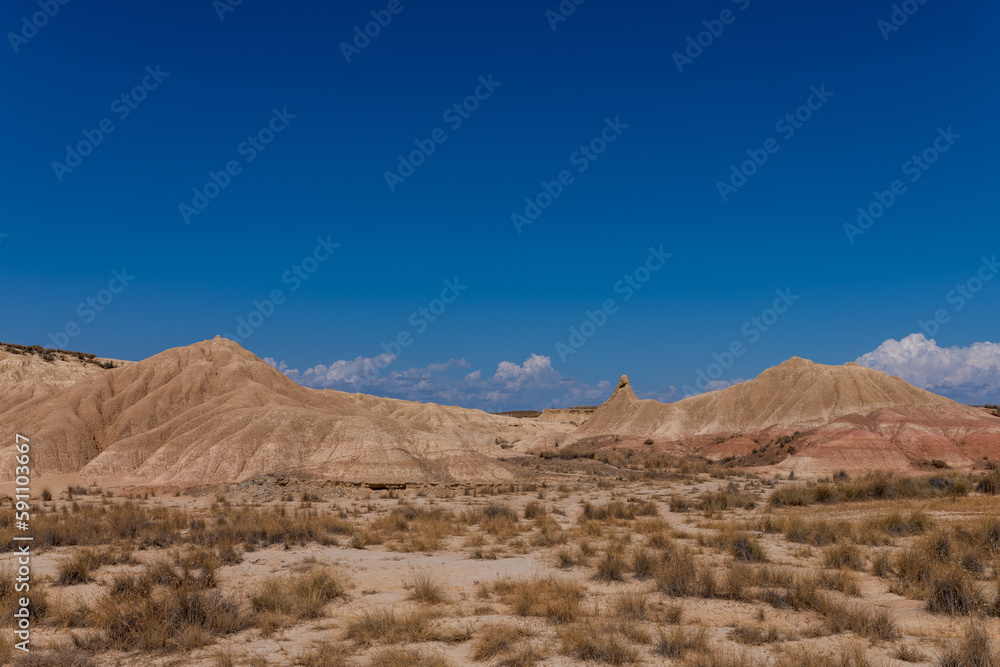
x: 655, y: 185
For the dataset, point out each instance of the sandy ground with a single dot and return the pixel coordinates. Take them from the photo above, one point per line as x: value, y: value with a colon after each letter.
x: 379, y: 574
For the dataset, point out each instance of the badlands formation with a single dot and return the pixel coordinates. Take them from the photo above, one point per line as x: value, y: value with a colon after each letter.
x: 214, y: 413
x: 805, y: 416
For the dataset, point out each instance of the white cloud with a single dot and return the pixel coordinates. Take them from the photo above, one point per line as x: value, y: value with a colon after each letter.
x: 969, y: 374
x: 533, y: 384
x: 344, y: 373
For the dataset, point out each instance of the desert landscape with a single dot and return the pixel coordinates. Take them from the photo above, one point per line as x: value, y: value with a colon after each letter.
x: 200, y: 508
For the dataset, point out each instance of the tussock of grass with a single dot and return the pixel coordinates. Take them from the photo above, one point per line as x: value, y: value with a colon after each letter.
x: 953, y: 591
x: 324, y: 654
x: 424, y: 588
x: 548, y: 597
x: 396, y: 657
x: 730, y: 497
x: 842, y: 556
x: 839, y: 580
x: 975, y: 649
x: 851, y: 654
x: 630, y: 606
x: 605, y: 644
x: 300, y: 596
x: 677, y: 642
x: 534, y: 510
x: 611, y: 567
x: 389, y: 626
x: 873, y: 623
x: 909, y: 653
x: 677, y: 575
x: 644, y: 563
x: 495, y: 640
x: 76, y: 568
x: 743, y: 546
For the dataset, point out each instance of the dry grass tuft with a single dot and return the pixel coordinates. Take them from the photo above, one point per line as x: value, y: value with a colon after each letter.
x: 324, y: 654
x: 495, y: 640
x: 630, y: 606
x: 389, y: 626
x: 843, y: 556
x: 599, y: 644
x: 611, y: 567
x: 300, y: 596
x: 424, y: 588
x: 551, y: 598
x: 396, y: 657
x: 873, y: 623
x: 677, y: 642
x: 975, y: 649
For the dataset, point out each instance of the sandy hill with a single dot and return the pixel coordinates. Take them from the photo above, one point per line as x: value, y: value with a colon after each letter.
x: 828, y: 417
x: 35, y: 373
x: 214, y: 412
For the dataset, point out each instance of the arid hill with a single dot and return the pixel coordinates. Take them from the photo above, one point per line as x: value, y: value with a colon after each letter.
x: 34, y: 373
x: 807, y: 416
x: 213, y: 412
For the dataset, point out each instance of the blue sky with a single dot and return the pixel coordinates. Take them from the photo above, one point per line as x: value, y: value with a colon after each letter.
x: 600, y: 111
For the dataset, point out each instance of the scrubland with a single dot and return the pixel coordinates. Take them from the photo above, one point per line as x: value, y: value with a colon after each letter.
x: 677, y: 562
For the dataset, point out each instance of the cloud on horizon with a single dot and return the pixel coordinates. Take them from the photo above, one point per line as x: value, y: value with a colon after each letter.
x: 966, y: 374
x: 533, y: 384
